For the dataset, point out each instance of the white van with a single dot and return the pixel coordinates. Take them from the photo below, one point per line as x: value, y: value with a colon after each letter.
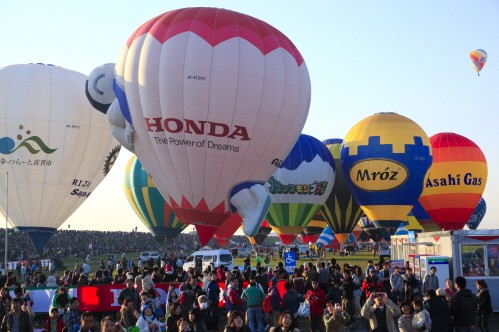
x: 215, y: 258
x: 146, y: 255
x: 241, y: 252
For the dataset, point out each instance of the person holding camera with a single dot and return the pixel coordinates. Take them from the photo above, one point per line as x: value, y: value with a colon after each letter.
x: 381, y: 312
x: 336, y: 318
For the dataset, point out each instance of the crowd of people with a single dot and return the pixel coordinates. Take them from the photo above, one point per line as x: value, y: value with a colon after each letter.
x: 65, y: 243
x: 332, y: 297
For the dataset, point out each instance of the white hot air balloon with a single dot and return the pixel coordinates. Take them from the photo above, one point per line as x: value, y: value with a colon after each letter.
x: 217, y: 100
x: 54, y: 147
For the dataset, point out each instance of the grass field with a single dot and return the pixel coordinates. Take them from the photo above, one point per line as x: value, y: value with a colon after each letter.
x: 359, y: 258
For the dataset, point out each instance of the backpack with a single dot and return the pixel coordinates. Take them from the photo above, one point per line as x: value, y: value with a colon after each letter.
x: 267, y: 304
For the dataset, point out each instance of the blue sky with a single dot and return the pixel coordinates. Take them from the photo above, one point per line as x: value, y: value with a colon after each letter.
x: 363, y: 57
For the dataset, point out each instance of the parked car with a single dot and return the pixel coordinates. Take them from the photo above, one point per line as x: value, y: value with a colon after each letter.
x: 147, y: 255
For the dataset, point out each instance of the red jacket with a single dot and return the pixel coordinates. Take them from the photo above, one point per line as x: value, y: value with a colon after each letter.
x: 60, y: 324
x: 317, y: 299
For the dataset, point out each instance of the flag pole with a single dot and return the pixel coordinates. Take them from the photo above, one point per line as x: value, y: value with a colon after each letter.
x: 6, y: 222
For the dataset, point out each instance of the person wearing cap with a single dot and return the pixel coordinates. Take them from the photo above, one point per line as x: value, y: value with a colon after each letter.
x: 235, y: 322
x: 130, y: 292
x: 253, y: 296
x: 209, y: 315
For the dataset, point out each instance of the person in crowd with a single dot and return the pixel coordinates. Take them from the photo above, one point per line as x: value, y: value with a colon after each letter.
x: 130, y: 292
x: 196, y: 321
x: 171, y: 296
x: 317, y: 300
x: 421, y: 317
x: 253, y: 297
x: 431, y: 280
x: 235, y: 322
x: 381, y: 312
x: 484, y: 310
x: 298, y: 282
x: 233, y: 301
x: 138, y: 284
x: 334, y: 294
x: 336, y: 318
x: 348, y: 288
x: 61, y: 298
x: 186, y: 299
x: 310, y: 274
x: 208, y: 314
x: 439, y: 311
x: 213, y: 291
x: 73, y: 315
x: 396, y: 285
x: 87, y: 322
x: 107, y: 324
x: 405, y: 319
x: 54, y: 322
x: 175, y: 314
x: 291, y: 299
x: 147, y: 321
x: 285, y: 323
x: 463, y: 307
x: 450, y: 289
x: 128, y: 314
x: 410, y: 285
x: 276, y: 300
x: 183, y: 325
x: 384, y: 276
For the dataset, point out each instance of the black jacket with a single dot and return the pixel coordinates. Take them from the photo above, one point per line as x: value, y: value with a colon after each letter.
x: 464, y: 307
x: 484, y: 305
x: 439, y: 313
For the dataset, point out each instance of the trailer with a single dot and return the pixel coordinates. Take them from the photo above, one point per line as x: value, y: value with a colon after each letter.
x: 473, y: 254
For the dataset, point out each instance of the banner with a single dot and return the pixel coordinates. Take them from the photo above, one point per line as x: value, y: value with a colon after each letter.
x: 101, y: 298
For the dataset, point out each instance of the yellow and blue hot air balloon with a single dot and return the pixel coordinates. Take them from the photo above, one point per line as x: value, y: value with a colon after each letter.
x: 300, y: 186
x: 385, y: 158
x: 148, y: 203
x: 340, y: 209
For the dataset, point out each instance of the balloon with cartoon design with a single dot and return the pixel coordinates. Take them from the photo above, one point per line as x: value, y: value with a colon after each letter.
x: 300, y: 186
x: 214, y: 105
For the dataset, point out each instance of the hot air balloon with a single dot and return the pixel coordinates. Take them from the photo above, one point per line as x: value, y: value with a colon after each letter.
x: 326, y: 238
x: 385, y: 158
x: 340, y: 210
x: 313, y: 230
x: 215, y: 103
x: 424, y: 219
x: 227, y: 230
x: 300, y: 186
x: 148, y: 203
x: 478, y: 58
x: 478, y: 214
x: 455, y: 182
x: 376, y: 234
x: 54, y: 147
x: 411, y: 223
x: 262, y: 234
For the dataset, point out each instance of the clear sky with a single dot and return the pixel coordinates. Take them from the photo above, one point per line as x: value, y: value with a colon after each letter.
x: 364, y: 57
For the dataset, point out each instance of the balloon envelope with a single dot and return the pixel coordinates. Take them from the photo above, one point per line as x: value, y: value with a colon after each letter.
x: 300, y: 186
x: 478, y: 59
x: 385, y: 158
x: 262, y: 234
x: 148, y: 203
x: 54, y: 146
x: 478, y: 214
x: 340, y: 210
x: 424, y: 219
x: 455, y: 182
x: 217, y: 99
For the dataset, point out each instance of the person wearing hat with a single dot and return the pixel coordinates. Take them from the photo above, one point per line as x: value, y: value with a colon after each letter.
x: 147, y: 321
x: 208, y: 314
x: 130, y: 292
x: 235, y: 322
